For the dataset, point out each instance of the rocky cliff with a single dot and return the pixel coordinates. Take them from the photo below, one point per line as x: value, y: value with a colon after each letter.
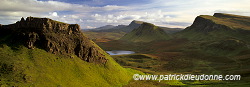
x: 219, y: 21
x: 220, y: 26
x: 52, y: 36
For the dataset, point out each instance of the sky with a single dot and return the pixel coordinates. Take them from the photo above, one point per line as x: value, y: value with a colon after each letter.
x: 96, y: 13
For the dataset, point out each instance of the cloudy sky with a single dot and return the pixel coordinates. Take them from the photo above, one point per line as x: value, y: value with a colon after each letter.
x: 96, y: 13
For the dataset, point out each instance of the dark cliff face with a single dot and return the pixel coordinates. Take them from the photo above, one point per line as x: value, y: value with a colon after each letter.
x: 52, y: 36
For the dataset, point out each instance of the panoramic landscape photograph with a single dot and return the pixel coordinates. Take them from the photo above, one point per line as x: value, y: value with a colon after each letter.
x: 124, y: 43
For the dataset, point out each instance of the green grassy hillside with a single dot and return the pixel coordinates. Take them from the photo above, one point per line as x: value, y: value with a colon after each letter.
x: 25, y: 67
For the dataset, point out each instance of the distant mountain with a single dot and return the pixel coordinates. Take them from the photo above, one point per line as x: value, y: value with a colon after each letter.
x: 146, y: 32
x: 105, y: 27
x: 113, y: 29
x: 120, y: 28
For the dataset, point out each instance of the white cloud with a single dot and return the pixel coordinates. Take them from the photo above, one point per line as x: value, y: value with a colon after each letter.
x: 175, y: 13
x: 12, y: 10
x: 113, y: 7
x: 53, y: 14
x: 90, y: 27
x: 33, y: 6
x: 172, y: 12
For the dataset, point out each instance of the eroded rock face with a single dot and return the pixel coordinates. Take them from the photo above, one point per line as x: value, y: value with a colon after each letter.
x: 53, y: 36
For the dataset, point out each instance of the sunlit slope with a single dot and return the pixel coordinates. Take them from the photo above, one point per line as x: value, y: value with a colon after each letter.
x: 26, y: 67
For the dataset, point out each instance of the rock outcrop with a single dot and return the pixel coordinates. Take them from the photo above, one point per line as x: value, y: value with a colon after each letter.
x: 52, y: 36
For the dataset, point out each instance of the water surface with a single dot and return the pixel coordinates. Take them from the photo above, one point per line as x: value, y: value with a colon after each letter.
x: 119, y: 52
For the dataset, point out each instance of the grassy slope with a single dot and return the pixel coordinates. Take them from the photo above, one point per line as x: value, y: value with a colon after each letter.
x: 26, y: 67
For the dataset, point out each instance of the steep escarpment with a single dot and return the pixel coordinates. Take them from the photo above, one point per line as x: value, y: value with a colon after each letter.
x: 53, y: 36
x: 145, y: 33
x: 218, y: 26
x: 208, y: 23
x: 220, y: 34
x: 205, y: 23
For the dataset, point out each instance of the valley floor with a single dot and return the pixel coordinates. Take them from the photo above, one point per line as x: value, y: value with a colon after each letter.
x: 181, y: 56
